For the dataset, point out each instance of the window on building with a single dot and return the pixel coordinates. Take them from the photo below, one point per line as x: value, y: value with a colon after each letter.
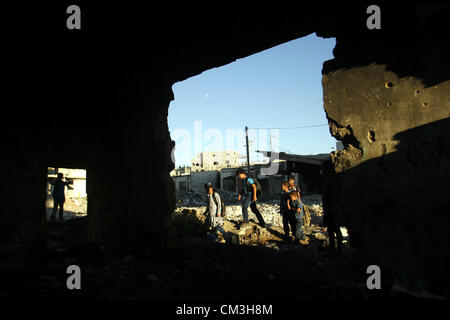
x: 216, y: 163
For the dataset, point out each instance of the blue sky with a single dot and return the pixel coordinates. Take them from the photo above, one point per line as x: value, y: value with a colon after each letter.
x: 276, y: 88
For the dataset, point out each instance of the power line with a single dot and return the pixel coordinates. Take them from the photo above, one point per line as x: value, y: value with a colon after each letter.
x: 290, y: 112
x: 312, y: 126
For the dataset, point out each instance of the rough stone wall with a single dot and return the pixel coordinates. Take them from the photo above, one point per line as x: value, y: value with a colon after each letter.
x: 391, y: 110
x: 131, y: 194
x: 26, y: 185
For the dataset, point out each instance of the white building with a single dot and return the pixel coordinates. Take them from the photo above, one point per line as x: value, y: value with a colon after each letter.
x: 214, y: 160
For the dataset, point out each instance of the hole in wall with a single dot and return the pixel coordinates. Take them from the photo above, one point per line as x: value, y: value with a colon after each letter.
x: 278, y: 95
x: 280, y: 87
x: 371, y: 136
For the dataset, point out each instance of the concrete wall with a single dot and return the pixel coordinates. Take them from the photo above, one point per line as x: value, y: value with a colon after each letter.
x: 271, y: 187
x: 78, y: 189
x: 181, y: 181
x: 388, y: 100
x: 228, y: 179
x: 199, y: 179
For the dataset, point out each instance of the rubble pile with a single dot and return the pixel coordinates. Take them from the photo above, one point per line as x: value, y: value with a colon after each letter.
x: 229, y: 197
x: 254, y: 235
x: 270, y: 210
x: 189, y: 199
x: 192, y: 199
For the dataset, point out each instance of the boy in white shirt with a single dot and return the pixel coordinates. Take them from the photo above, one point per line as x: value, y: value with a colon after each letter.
x: 214, y: 202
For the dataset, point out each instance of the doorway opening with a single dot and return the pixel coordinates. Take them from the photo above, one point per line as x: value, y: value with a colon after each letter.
x: 241, y: 114
x: 66, y: 194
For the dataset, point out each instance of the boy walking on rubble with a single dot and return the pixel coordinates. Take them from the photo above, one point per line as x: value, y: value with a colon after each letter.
x: 215, y: 219
x: 249, y: 194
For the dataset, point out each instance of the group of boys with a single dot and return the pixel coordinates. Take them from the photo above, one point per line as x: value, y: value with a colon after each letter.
x: 291, y: 206
x: 249, y: 194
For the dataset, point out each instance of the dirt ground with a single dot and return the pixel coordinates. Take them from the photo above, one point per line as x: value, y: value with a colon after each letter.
x: 196, y: 269
x: 73, y: 208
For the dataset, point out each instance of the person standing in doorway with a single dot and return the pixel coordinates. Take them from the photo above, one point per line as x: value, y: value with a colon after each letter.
x: 249, y: 196
x: 59, y: 196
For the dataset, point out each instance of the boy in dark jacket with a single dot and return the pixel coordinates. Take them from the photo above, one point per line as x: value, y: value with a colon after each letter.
x: 288, y: 218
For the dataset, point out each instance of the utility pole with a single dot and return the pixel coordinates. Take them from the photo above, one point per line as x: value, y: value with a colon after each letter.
x: 248, y: 153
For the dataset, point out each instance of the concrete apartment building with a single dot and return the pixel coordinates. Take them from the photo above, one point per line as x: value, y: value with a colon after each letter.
x: 205, y: 168
x: 214, y: 160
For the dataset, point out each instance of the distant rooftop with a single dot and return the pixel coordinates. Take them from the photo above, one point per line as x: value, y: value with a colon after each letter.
x: 311, y: 159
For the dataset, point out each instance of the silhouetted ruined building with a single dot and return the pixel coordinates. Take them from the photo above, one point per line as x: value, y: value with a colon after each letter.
x: 385, y: 93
